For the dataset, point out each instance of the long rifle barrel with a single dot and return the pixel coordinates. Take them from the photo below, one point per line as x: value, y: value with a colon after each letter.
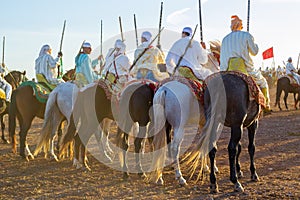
x: 3, y: 48
x: 248, y: 16
x: 136, y: 34
x: 159, y: 26
x: 62, y: 36
x: 121, y: 29
x: 101, y: 38
x: 200, y: 21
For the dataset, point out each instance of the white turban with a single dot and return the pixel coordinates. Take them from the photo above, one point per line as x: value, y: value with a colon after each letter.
x: 147, y: 35
x: 44, y: 49
x: 188, y: 30
x: 120, y: 46
x: 87, y: 44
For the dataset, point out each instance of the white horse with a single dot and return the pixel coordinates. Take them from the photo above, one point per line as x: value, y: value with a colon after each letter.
x: 59, y: 107
x: 174, y: 106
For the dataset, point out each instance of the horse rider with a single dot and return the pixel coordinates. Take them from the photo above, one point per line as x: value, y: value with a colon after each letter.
x: 192, y: 61
x: 7, y: 88
x: 117, y: 64
x: 146, y: 65
x: 213, y: 56
x: 280, y: 72
x: 84, y: 70
x: 235, y: 55
x: 291, y: 70
x: 45, y: 66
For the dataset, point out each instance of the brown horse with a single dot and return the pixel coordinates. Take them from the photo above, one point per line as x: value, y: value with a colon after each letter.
x: 14, y: 78
x: 24, y: 106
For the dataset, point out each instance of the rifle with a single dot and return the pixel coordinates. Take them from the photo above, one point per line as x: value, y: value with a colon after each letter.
x: 3, y: 47
x: 159, y: 26
x: 298, y: 61
x: 60, y: 67
x: 248, y: 16
x: 121, y: 30
x: 136, y: 34
x: 101, y: 38
x: 200, y: 20
x: 144, y: 51
x: 186, y: 48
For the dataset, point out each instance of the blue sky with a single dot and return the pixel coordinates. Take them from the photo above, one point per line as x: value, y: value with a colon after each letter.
x: 27, y: 25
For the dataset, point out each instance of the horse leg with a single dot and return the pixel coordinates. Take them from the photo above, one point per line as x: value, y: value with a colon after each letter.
x: 236, y: 133
x: 285, y: 99
x: 138, y: 141
x: 237, y: 162
x: 23, y: 143
x: 213, y: 180
x: 251, y: 149
x: 3, y: 130
x: 77, y: 144
x: 175, y: 148
x: 296, y: 101
x: 123, y: 144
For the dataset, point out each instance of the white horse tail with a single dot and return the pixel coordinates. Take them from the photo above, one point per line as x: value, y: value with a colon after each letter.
x: 159, y: 133
x: 44, y: 137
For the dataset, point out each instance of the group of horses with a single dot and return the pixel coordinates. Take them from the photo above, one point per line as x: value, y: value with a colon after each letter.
x: 225, y: 101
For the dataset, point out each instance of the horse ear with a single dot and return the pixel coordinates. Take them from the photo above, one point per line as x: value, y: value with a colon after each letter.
x: 24, y: 73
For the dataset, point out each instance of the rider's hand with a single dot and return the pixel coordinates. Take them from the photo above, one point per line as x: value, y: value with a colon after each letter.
x: 100, y: 57
x: 60, y: 54
x: 203, y: 45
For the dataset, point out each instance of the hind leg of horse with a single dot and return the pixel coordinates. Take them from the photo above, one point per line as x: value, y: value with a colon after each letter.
x: 76, y: 159
x: 236, y: 133
x: 296, y: 101
x: 285, y: 99
x: 237, y: 161
x: 251, y: 149
x: 138, y: 141
x: 175, y: 148
x: 123, y: 144
x: 3, y: 130
x: 23, y: 143
x: 213, y: 180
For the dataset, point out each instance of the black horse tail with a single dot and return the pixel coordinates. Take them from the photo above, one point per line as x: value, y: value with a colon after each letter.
x: 12, y: 119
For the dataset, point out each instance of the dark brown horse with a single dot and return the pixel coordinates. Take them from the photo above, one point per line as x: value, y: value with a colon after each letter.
x: 14, y: 78
x: 24, y: 106
x: 283, y: 84
x: 93, y: 106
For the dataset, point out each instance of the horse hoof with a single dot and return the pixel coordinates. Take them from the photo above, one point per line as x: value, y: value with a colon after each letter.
x: 6, y: 141
x: 182, y: 181
x: 125, y: 175
x: 238, y: 187
x: 160, y: 181
x: 214, y: 188
x: 240, y: 174
x: 254, y: 177
x: 142, y: 175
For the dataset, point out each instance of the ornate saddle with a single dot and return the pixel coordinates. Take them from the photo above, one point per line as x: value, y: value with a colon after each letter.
x: 39, y: 90
x: 2, y: 94
x: 293, y: 81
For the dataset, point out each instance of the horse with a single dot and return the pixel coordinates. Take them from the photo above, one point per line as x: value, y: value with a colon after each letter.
x: 58, y: 109
x: 283, y: 84
x: 14, y: 78
x: 24, y: 106
x: 225, y: 102
x: 94, y: 104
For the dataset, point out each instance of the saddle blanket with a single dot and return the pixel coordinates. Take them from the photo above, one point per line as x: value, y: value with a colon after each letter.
x: 254, y: 91
x: 39, y: 91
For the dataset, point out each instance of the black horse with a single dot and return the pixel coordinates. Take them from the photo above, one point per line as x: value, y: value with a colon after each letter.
x: 227, y: 102
x: 283, y: 84
x: 14, y: 78
x: 93, y: 105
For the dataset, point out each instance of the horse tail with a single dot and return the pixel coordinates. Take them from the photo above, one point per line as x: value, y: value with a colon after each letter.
x: 44, y: 138
x: 12, y: 118
x: 159, y: 135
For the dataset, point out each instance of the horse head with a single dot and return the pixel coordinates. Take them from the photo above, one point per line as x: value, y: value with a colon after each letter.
x: 15, y: 78
x: 69, y: 75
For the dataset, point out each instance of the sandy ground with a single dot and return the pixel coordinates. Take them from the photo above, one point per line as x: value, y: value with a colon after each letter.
x: 277, y: 161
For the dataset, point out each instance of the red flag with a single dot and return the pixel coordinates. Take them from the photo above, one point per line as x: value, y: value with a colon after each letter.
x: 268, y: 53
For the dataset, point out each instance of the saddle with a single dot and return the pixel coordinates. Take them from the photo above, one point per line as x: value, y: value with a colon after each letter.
x: 293, y: 81
x: 2, y: 94
x: 186, y: 76
x: 40, y: 91
x: 43, y: 81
